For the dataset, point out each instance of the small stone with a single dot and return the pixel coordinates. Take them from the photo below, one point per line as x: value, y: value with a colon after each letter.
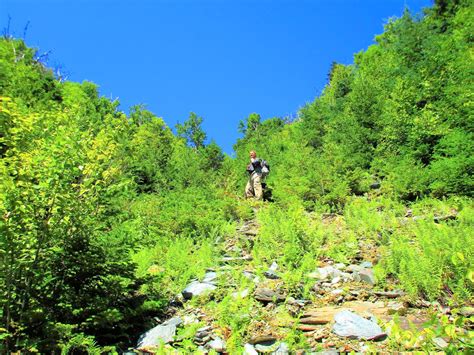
x: 273, y: 266
x: 270, y: 274
x: 467, y: 311
x: 249, y: 350
x: 307, y: 327
x: 336, y: 280
x: 197, y: 288
x: 440, y: 343
x: 337, y: 292
x: 375, y: 185
x: 266, y: 347
x: 367, y: 275
x: 210, y: 277
x: 396, y: 308
x: 241, y: 294
x: 248, y: 274
x: 389, y: 294
x: 366, y: 265
x: 353, y: 268
x: 268, y: 295
x: 263, y: 339
x: 340, y: 266
x: 217, y: 344
x: 283, y: 349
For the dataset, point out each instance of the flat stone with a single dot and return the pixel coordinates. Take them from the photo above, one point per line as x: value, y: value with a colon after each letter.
x: 176, y: 321
x: 366, y: 265
x: 340, y: 266
x: 268, y: 295
x: 389, y: 294
x: 197, y: 288
x: 307, y: 327
x: 163, y: 333
x: 440, y: 343
x: 270, y: 274
x: 266, y: 348
x: 351, y: 325
x: 210, y: 277
x: 337, y: 292
x: 263, y: 339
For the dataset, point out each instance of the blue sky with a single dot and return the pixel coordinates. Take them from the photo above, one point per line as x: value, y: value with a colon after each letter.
x: 222, y: 59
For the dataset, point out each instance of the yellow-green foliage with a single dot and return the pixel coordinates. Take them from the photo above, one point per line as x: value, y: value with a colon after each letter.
x: 287, y: 236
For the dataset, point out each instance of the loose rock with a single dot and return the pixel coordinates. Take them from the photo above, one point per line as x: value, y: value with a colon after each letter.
x: 197, y: 288
x: 367, y: 275
x: 163, y: 333
x: 217, y: 344
x: 351, y: 325
x: 249, y: 350
x: 268, y: 295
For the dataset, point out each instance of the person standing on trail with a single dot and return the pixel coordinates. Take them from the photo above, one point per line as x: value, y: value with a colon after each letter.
x: 257, y: 169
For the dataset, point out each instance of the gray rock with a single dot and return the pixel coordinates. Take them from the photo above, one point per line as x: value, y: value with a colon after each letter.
x: 203, y: 332
x: 323, y: 273
x: 163, y: 333
x: 268, y: 295
x: 210, y: 277
x: 176, y: 321
x: 337, y: 292
x: 283, y: 349
x: 366, y: 265
x: 249, y: 350
x: 367, y: 275
x: 389, y: 294
x: 354, y: 268
x: 340, y: 266
x: 375, y: 185
x: 356, y: 277
x: 273, y: 266
x: 270, y: 274
x: 467, y: 311
x: 217, y: 344
x: 241, y: 294
x: 268, y: 347
x: 336, y: 280
x: 351, y: 325
x: 396, y: 308
x: 440, y: 343
x: 197, y: 288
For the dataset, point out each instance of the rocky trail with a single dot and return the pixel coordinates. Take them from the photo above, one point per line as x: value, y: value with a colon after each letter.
x: 345, y: 313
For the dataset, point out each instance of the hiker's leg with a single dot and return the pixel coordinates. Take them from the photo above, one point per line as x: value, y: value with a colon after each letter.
x: 249, y: 189
x: 257, y: 187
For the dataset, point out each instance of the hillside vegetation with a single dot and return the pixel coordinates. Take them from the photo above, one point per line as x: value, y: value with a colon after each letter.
x: 105, y: 218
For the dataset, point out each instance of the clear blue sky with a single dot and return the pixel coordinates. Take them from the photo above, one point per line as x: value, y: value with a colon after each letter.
x: 222, y: 59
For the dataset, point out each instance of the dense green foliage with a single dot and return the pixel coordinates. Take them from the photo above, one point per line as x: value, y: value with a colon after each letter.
x: 105, y: 217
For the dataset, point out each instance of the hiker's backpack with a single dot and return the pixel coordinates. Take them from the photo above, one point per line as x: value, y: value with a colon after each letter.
x: 265, y: 168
